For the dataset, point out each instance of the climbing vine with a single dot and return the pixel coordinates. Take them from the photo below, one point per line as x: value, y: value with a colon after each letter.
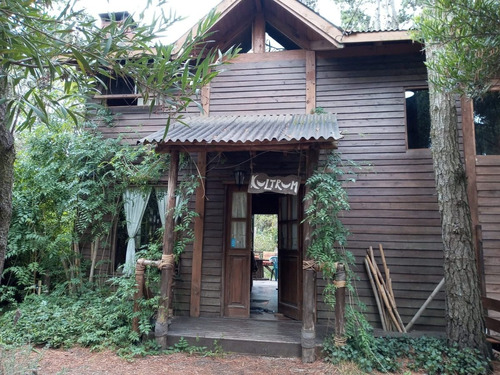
x: 329, y: 199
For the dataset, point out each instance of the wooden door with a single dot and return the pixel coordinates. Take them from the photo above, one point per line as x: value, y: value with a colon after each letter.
x: 289, y: 257
x: 237, y: 266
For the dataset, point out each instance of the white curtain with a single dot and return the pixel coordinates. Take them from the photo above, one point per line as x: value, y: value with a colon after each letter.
x: 134, y: 202
x: 161, y: 199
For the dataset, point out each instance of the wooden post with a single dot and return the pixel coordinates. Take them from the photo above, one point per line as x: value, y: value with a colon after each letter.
x: 259, y: 34
x: 167, y: 268
x: 340, y: 280
x: 199, y: 221
x: 469, y: 144
x: 309, y: 277
x: 139, y: 293
x: 310, y: 81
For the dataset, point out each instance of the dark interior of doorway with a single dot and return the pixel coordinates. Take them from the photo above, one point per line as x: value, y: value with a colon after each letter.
x: 264, y: 292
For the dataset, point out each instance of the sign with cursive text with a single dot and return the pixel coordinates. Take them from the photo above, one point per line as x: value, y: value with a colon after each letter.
x: 261, y: 183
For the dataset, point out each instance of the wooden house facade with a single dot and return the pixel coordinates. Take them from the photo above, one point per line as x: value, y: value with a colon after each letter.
x: 259, y: 118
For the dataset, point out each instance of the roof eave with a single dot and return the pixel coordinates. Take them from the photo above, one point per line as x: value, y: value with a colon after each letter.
x: 377, y: 36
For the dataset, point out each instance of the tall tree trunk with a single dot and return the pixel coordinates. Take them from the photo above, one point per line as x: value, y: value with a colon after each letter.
x: 465, y: 324
x: 7, y: 156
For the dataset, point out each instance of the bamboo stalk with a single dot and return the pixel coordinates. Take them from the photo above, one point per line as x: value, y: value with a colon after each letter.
x: 384, y: 296
x: 376, y: 294
x: 390, y: 297
x: 386, y: 271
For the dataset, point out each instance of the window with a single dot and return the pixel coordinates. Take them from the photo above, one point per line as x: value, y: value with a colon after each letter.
x: 487, y: 124
x: 418, y: 119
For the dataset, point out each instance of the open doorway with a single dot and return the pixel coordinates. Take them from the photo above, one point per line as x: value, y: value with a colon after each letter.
x: 264, y: 292
x: 244, y: 294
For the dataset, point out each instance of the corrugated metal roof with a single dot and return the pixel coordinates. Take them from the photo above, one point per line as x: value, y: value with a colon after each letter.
x: 250, y: 129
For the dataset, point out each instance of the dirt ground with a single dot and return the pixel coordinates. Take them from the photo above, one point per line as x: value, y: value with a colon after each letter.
x: 80, y: 361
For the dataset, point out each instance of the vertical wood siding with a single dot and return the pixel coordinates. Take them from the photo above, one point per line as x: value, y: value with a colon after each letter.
x: 488, y: 191
x: 394, y: 200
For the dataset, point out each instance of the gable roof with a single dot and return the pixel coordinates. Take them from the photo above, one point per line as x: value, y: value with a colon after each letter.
x: 287, y: 19
x: 289, y: 22
x: 251, y: 132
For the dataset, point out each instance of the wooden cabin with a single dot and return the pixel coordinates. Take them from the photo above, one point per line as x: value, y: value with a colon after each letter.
x: 261, y: 118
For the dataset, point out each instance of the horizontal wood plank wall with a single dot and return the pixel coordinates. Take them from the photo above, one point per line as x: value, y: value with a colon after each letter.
x: 394, y: 200
x: 275, y: 86
x: 488, y: 191
x: 132, y: 123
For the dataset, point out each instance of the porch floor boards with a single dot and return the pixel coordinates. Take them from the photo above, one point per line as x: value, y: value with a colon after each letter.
x: 249, y: 336
x: 275, y: 338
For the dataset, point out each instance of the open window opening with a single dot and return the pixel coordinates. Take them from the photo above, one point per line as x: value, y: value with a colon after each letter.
x: 147, y: 232
x: 487, y: 124
x: 418, y: 118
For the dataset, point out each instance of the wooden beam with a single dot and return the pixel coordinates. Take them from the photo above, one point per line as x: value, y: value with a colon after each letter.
x: 258, y: 6
x: 296, y: 36
x: 469, y: 140
x: 381, y: 36
x: 264, y: 57
x: 328, y: 145
x: 310, y: 81
x: 309, y: 275
x: 259, y: 34
x: 314, y: 21
x: 205, y: 99
x: 167, y: 270
x: 199, y: 221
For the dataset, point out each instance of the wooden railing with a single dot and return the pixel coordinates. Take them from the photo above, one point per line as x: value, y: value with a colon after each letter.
x: 492, y: 324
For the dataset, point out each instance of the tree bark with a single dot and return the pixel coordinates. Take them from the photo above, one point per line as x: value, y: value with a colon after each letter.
x: 7, y: 156
x: 465, y: 324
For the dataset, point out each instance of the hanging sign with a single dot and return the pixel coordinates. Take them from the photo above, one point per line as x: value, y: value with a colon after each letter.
x: 261, y: 183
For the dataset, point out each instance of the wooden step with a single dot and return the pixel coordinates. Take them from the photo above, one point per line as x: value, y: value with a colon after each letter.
x: 257, y: 337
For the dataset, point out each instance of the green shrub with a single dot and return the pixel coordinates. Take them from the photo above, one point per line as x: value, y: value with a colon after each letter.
x: 431, y: 355
x: 97, y: 319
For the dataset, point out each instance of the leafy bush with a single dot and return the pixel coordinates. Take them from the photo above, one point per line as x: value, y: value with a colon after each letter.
x: 93, y: 318
x: 428, y: 354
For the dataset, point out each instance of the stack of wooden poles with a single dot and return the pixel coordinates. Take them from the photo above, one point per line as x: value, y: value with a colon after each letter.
x: 382, y: 289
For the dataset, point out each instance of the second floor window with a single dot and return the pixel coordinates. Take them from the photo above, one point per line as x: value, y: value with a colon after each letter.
x: 418, y: 119
x: 487, y: 124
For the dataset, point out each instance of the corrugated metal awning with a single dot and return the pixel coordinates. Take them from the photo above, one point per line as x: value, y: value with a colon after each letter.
x: 210, y: 132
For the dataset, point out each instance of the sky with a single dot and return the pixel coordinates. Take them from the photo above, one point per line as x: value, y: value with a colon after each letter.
x: 192, y: 10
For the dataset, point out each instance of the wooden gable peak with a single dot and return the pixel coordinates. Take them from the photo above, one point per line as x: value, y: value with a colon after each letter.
x: 291, y: 23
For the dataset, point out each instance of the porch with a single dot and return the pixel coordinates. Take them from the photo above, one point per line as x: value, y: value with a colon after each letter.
x: 276, y: 338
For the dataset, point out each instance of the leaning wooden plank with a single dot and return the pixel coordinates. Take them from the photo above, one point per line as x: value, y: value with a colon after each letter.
x: 384, y: 296
x: 376, y: 294
x: 424, y: 306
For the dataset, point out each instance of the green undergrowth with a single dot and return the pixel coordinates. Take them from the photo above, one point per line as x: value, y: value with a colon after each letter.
x: 97, y: 319
x: 428, y: 354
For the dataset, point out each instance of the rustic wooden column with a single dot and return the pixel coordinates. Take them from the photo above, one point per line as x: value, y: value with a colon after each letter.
x: 167, y: 267
x: 310, y: 81
x: 139, y: 293
x: 309, y: 277
x: 259, y: 34
x: 469, y: 140
x: 199, y: 224
x: 340, y: 283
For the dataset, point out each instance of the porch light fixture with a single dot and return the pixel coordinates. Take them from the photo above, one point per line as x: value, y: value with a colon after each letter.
x: 239, y: 176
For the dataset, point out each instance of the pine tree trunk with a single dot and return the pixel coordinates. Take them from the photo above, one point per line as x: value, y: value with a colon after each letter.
x: 7, y: 156
x: 464, y: 317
